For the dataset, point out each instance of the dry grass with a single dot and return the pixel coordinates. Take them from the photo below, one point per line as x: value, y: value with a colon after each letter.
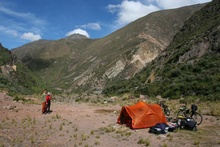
x: 70, y: 128
x: 104, y: 110
x: 144, y: 141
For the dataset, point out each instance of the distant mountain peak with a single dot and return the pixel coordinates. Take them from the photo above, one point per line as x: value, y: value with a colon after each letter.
x: 76, y: 36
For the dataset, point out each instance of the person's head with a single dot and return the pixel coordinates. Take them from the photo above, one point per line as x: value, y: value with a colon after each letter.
x: 45, y: 91
x: 48, y: 93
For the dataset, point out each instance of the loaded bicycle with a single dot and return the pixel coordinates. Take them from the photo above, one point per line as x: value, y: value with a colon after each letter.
x: 186, y: 112
x: 166, y: 109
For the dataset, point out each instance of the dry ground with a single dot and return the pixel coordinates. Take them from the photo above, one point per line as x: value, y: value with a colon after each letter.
x: 88, y: 125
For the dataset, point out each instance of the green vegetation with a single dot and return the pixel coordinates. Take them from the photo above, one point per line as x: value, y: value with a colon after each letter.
x: 5, y: 56
x: 15, y: 77
x: 189, y: 67
x: 79, y: 64
x: 200, y: 80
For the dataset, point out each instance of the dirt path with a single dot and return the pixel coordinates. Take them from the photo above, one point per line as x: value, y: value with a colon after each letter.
x: 88, y: 125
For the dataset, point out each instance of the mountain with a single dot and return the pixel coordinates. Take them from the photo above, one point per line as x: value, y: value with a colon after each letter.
x: 190, y: 65
x: 15, y: 77
x: 77, y: 63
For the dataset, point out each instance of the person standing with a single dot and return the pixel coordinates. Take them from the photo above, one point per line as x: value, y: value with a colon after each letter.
x: 48, y: 102
x: 44, y: 94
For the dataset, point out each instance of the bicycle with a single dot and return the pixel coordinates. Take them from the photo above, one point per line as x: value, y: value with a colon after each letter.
x: 185, y: 112
x: 166, y: 109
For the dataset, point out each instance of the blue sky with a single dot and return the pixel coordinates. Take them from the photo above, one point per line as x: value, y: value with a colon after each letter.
x: 24, y: 21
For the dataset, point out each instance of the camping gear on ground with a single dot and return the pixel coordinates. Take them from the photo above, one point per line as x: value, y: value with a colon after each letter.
x: 185, y: 112
x: 160, y: 128
x: 194, y: 107
x: 172, y: 126
x: 154, y: 130
x: 180, y: 119
x: 141, y: 115
x: 187, y: 123
x: 44, y: 107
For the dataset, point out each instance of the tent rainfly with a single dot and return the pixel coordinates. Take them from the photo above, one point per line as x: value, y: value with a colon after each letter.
x: 141, y: 115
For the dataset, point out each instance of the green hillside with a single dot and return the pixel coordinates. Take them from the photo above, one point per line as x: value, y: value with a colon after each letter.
x: 80, y: 64
x: 15, y: 77
x: 188, y: 67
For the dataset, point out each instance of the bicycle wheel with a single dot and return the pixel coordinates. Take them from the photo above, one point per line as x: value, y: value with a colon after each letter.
x: 167, y: 110
x: 198, y: 118
x: 180, y: 113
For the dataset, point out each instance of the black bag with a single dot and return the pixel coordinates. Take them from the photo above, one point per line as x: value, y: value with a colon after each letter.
x: 189, y: 124
x: 194, y: 107
x: 160, y: 128
x: 154, y: 130
x: 172, y: 127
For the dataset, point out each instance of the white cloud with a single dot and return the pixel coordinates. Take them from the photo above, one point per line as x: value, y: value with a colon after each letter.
x: 78, y: 31
x: 129, y: 11
x: 113, y: 8
x: 169, y: 4
x: 8, y: 31
x: 93, y: 26
x: 150, y: 1
x: 16, y: 22
x: 30, y: 36
x: 29, y: 17
x: 13, y: 13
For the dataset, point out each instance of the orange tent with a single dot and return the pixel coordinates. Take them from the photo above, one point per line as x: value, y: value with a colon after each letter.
x: 141, y: 115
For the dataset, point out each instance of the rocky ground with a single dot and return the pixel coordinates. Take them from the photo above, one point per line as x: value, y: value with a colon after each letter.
x: 88, y: 125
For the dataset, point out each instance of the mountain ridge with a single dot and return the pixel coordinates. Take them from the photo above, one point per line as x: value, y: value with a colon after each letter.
x: 188, y: 67
x: 88, y: 64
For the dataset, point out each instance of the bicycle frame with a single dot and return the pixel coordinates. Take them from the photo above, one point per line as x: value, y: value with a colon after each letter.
x: 185, y: 112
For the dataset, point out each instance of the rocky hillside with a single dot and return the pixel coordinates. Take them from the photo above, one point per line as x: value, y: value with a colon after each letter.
x: 79, y: 63
x: 188, y: 67
x: 15, y: 77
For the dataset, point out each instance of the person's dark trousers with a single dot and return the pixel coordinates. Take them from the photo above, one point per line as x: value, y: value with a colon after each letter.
x: 48, y: 107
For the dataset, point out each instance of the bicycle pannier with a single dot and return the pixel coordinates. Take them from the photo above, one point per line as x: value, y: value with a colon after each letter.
x: 194, y: 107
x: 189, y: 124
